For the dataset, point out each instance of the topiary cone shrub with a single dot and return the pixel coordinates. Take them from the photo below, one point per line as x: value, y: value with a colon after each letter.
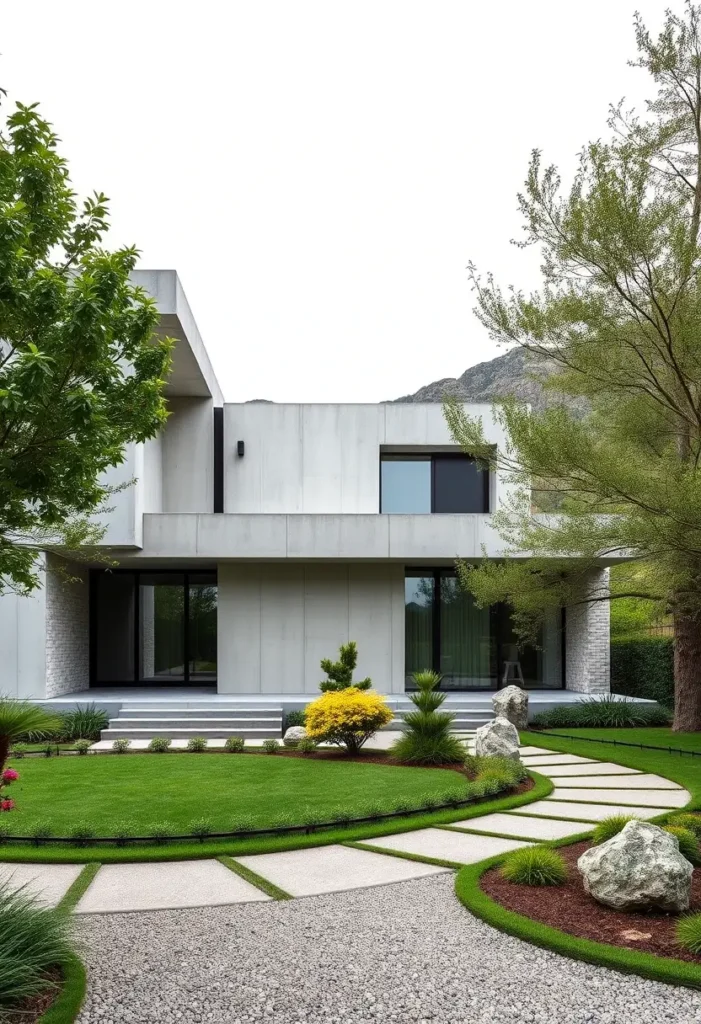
x: 347, y: 717
x: 428, y: 739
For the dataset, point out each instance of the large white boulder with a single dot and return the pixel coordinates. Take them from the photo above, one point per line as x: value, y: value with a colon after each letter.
x: 293, y: 735
x: 498, y: 738
x: 512, y: 703
x: 640, y: 867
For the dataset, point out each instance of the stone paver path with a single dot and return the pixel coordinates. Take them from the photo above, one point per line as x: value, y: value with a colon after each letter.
x: 586, y: 791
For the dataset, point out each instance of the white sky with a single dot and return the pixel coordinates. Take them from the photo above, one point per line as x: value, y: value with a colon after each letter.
x: 320, y: 172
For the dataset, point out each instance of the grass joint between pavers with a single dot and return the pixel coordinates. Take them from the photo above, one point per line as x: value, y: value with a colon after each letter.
x: 253, y: 878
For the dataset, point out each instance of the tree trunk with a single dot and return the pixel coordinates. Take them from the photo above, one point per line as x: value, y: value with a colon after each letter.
x: 687, y: 673
x: 4, y: 750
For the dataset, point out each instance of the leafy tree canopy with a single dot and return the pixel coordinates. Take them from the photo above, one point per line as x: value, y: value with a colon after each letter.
x: 619, y: 316
x: 81, y: 373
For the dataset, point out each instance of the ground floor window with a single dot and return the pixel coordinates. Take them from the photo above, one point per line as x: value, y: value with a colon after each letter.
x: 469, y: 646
x: 153, y: 627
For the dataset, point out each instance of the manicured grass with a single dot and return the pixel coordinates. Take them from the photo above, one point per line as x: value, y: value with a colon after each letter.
x: 223, y: 788
x: 650, y: 737
x: 66, y: 1007
x: 192, y: 850
x: 677, y: 767
x: 255, y: 879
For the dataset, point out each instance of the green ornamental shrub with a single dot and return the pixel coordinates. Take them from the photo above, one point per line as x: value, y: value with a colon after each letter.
x: 19, y: 750
x: 428, y: 739
x: 506, y: 770
x: 340, y: 673
x: 271, y: 746
x: 162, y: 831
x: 609, y: 711
x: 688, y: 843
x: 535, y: 865
x: 341, y: 816
x: 295, y: 717
x: 83, y: 723
x: 201, y: 828
x: 121, y: 745
x: 5, y: 831
x: 306, y: 745
x: 83, y: 746
x: 234, y: 744
x: 610, y: 827
x: 243, y: 824
x: 644, y: 667
x: 49, y: 748
x: 197, y: 744
x: 687, y: 820
x: 123, y: 831
x: 34, y: 940
x: 160, y: 744
x: 81, y: 833
x: 40, y: 832
x: 689, y: 933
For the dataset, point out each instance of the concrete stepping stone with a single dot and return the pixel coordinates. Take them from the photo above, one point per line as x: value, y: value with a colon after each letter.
x: 324, y: 869
x: 533, y: 751
x: 585, y: 812
x: 530, y: 828
x: 615, y: 782
x: 165, y: 885
x: 48, y: 882
x: 641, y: 797
x: 552, y: 758
x: 445, y: 845
x: 596, y: 768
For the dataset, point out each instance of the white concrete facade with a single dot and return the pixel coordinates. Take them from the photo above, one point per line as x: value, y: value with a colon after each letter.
x: 292, y: 526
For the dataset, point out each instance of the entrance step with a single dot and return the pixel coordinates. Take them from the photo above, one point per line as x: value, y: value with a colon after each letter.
x: 186, y: 734
x: 176, y: 721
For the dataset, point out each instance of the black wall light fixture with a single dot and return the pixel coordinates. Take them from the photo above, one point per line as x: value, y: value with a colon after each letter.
x: 239, y: 449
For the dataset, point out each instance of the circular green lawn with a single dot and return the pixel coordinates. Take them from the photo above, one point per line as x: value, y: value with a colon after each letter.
x: 230, y: 790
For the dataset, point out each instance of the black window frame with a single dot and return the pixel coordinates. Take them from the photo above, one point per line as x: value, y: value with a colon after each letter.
x: 137, y: 574
x: 432, y: 457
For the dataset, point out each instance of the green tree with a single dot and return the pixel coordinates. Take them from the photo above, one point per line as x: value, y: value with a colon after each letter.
x: 428, y: 738
x: 340, y: 673
x: 619, y: 317
x: 81, y: 372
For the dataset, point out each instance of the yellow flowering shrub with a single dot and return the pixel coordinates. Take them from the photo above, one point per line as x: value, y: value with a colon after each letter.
x: 347, y: 717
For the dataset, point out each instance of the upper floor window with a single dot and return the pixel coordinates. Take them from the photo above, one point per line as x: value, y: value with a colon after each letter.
x: 432, y: 483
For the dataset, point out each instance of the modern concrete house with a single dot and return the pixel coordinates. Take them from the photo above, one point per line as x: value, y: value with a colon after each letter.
x: 256, y: 538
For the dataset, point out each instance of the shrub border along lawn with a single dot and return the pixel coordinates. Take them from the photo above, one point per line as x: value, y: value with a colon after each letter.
x: 618, y: 958
x: 270, y: 843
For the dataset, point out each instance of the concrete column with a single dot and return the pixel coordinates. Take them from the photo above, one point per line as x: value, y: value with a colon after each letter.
x: 587, y: 644
x: 67, y: 627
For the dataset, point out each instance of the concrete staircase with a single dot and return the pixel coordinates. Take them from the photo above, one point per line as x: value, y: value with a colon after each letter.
x: 181, y: 721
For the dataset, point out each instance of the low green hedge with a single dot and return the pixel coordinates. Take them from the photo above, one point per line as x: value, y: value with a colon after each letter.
x: 644, y: 667
x: 629, y: 961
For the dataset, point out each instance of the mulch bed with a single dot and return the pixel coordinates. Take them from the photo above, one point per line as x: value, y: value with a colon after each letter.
x: 30, y: 1010
x: 572, y: 910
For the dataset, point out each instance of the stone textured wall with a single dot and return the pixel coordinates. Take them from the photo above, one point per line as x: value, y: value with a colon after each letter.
x: 67, y: 629
x: 587, y: 657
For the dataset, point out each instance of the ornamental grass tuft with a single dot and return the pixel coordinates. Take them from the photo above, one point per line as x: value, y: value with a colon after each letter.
x: 428, y: 739
x: 688, y: 843
x: 162, y: 831
x: 689, y: 933
x: 687, y: 820
x: 33, y: 940
x: 610, y: 827
x: 535, y: 865
x: 201, y: 828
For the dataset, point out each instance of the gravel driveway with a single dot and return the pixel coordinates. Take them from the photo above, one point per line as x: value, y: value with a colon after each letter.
x: 404, y: 952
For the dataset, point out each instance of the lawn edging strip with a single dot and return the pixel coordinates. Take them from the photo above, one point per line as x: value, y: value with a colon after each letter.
x: 66, y: 1006
x: 255, y: 879
x: 405, y: 855
x: 71, y: 897
x: 617, y: 958
x: 303, y: 838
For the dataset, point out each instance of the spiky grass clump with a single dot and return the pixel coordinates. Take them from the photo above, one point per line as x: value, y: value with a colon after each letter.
x: 162, y: 831
x: 83, y: 723
x: 610, y: 827
x: 689, y: 933
x: 33, y: 940
x: 687, y: 820
x: 609, y: 711
x: 201, y: 828
x: 535, y: 865
x: 688, y: 843
x: 428, y: 739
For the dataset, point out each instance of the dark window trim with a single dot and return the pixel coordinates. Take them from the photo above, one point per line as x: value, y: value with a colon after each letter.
x: 442, y: 571
x: 137, y: 574
x: 218, y: 490
x: 431, y: 457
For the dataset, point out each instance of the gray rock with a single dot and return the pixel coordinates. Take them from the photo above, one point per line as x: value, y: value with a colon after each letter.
x: 640, y: 867
x: 293, y: 735
x: 498, y: 738
x: 512, y: 703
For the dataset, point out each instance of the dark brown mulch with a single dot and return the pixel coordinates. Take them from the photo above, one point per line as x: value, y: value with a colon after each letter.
x: 572, y: 910
x: 30, y: 1010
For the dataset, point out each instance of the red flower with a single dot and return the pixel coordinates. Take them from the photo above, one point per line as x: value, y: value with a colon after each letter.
x: 10, y: 775
x: 7, y: 805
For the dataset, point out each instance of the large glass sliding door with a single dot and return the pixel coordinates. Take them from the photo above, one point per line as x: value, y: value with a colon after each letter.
x: 447, y: 632
x: 153, y: 627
